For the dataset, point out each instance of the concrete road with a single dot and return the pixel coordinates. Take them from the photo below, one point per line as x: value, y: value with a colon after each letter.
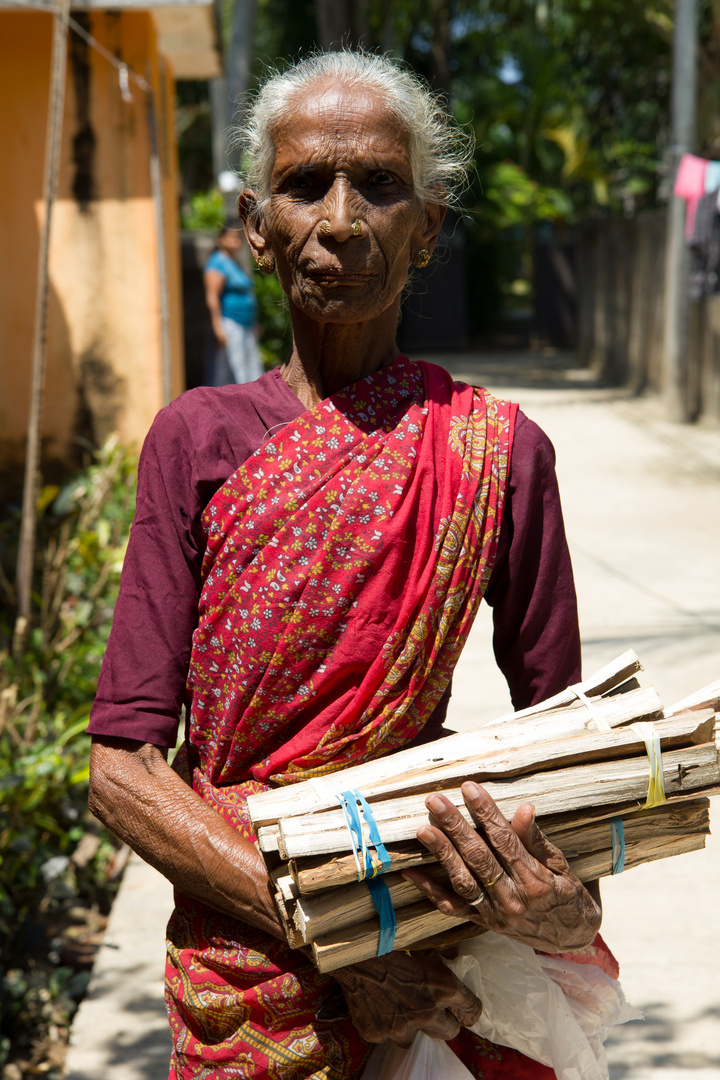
x: 641, y: 500
x: 642, y: 506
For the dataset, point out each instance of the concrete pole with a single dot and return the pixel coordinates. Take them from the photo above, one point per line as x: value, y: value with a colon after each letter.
x: 682, y: 140
x: 28, y: 526
x: 238, y: 61
x: 220, y: 118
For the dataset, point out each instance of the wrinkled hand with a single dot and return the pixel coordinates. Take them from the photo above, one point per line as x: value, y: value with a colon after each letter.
x: 529, y: 893
x: 391, y: 998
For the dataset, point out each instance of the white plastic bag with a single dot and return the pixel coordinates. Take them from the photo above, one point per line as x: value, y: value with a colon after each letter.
x: 426, y: 1059
x: 555, y: 1011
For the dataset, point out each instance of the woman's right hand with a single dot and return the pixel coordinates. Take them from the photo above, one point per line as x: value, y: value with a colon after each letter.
x: 391, y: 998
x: 220, y: 335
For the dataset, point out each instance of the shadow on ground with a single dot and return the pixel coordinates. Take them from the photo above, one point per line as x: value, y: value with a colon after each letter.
x: 653, y: 1043
x: 524, y: 370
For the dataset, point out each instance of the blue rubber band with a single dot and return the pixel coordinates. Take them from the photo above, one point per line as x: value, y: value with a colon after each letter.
x: 380, y: 849
x: 617, y: 830
x: 386, y: 913
x: 354, y: 805
x: 357, y: 810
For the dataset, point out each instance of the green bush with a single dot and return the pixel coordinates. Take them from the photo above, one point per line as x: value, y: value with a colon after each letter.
x: 274, y: 319
x: 53, y: 855
x: 206, y: 211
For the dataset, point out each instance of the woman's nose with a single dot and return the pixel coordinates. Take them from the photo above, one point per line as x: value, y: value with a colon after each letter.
x: 340, y: 211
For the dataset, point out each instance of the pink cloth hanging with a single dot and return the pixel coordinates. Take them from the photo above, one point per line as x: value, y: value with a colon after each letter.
x: 690, y: 185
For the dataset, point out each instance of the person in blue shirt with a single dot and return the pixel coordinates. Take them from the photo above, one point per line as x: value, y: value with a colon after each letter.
x: 230, y: 298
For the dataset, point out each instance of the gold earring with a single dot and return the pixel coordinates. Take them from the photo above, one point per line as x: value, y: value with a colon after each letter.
x: 421, y: 258
x: 356, y: 227
x: 265, y: 264
x: 325, y: 227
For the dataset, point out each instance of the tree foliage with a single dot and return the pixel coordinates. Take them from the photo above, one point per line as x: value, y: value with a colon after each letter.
x: 55, y: 859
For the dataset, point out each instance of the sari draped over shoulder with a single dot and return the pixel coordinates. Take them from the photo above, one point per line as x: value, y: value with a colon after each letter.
x: 345, y: 562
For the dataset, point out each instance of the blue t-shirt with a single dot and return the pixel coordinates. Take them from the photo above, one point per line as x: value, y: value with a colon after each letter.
x: 237, y: 300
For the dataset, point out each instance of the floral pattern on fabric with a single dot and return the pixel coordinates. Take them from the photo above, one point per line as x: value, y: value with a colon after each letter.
x: 345, y: 563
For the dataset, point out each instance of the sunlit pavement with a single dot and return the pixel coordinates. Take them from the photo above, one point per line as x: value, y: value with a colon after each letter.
x: 641, y: 499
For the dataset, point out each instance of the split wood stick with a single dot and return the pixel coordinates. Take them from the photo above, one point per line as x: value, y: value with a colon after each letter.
x: 448, y: 937
x: 357, y: 943
x: 559, y: 791
x: 445, y: 761
x: 599, y: 864
x: 688, y: 728
x: 588, y: 849
x: 284, y: 884
x: 605, y: 680
x: 673, y: 817
x: 339, y: 908
x: 707, y: 698
x: 561, y: 715
x: 268, y: 837
x: 293, y: 938
x: 418, y: 921
x: 552, y: 824
x: 319, y: 872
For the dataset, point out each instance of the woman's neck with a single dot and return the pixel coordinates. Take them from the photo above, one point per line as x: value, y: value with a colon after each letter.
x: 326, y: 357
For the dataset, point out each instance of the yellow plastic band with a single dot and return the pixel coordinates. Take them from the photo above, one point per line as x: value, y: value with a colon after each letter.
x: 656, y: 784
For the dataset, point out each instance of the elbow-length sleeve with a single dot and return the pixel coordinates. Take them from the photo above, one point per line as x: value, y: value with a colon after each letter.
x: 141, y: 688
x: 532, y: 591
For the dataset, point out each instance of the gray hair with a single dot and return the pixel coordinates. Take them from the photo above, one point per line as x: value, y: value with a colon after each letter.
x: 440, y: 151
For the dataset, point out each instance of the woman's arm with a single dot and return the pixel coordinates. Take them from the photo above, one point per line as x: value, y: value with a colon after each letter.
x: 214, y: 285
x: 136, y: 794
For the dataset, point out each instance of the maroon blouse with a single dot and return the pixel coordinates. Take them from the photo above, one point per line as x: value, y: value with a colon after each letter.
x: 192, y: 448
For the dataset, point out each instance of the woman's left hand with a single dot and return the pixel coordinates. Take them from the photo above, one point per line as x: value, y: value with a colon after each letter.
x: 523, y: 883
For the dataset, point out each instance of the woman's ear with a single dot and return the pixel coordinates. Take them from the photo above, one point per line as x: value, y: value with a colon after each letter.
x: 253, y: 224
x: 430, y: 226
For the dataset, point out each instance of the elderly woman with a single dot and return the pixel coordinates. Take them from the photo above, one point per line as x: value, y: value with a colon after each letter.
x: 307, y: 556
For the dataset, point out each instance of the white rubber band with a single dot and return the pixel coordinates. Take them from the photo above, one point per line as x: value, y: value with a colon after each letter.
x: 594, y: 714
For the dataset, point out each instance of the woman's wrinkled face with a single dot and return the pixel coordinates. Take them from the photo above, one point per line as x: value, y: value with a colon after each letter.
x: 342, y: 157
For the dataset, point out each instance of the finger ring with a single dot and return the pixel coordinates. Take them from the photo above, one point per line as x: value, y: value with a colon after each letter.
x: 478, y: 902
x: 487, y: 884
x: 356, y: 227
x: 325, y: 227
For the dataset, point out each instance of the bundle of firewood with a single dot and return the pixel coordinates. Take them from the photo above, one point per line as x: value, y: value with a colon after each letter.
x: 587, y: 760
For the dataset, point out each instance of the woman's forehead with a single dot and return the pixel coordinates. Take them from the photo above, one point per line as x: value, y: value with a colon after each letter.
x: 333, y: 114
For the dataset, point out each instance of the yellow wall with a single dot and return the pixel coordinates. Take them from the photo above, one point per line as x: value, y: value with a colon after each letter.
x: 104, y: 354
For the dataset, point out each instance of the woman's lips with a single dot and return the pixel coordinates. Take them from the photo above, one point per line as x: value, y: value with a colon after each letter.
x: 339, y: 277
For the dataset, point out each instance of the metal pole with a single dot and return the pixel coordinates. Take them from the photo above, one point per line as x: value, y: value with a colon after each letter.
x: 682, y: 140
x: 56, y: 100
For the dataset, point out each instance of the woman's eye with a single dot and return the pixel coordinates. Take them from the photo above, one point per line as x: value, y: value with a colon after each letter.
x: 299, y: 182
x: 302, y: 184
x: 382, y: 179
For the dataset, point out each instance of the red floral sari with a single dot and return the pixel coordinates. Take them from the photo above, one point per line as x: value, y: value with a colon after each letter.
x: 345, y: 563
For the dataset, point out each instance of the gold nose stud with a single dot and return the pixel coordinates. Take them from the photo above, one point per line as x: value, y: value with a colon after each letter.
x: 325, y: 228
